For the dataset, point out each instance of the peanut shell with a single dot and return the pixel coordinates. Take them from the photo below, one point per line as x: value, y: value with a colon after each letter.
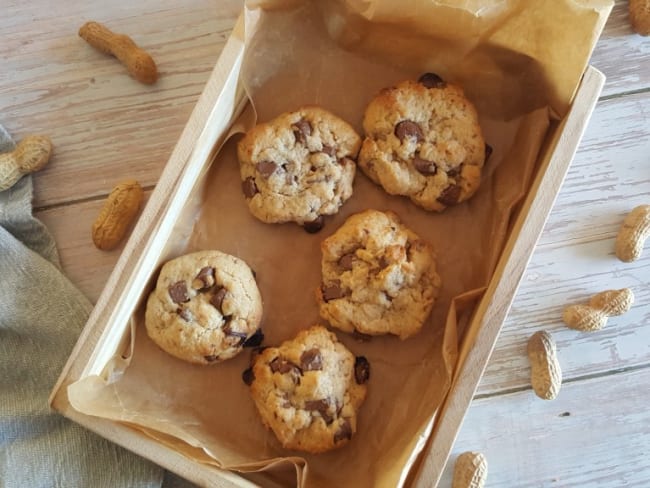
x: 31, y: 154
x: 640, y: 16
x: 546, y: 374
x: 470, y: 470
x: 584, y: 317
x: 117, y: 215
x: 613, y: 302
x: 136, y: 60
x: 633, y: 234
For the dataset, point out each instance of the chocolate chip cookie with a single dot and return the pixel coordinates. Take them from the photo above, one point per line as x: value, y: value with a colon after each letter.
x: 379, y: 277
x: 205, y: 307
x: 308, y: 390
x: 298, y: 167
x: 423, y: 140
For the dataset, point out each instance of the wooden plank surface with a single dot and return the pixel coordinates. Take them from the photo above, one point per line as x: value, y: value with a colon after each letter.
x: 106, y: 127
x: 575, y: 258
x: 595, y: 434
x: 622, y: 55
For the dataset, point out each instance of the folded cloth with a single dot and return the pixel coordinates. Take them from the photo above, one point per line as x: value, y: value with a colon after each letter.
x: 41, y: 316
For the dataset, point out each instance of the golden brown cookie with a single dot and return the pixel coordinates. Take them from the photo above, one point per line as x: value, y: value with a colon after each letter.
x: 423, y: 141
x: 206, y: 305
x: 379, y: 277
x: 308, y: 390
x: 298, y: 167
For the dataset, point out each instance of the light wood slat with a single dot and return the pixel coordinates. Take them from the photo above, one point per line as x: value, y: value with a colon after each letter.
x: 603, y: 442
x: 575, y: 255
x: 609, y: 176
x: 102, y: 122
x: 557, y: 277
x: 622, y: 55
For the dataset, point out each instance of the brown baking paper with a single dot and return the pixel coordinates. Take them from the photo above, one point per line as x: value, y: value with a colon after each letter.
x: 520, y: 66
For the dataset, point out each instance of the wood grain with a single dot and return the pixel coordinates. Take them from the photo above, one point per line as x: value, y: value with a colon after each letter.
x: 104, y: 125
x: 70, y: 226
x: 622, y: 55
x: 594, y: 434
x: 575, y: 255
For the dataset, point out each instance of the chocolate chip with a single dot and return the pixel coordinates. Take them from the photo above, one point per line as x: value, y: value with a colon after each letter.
x: 450, y: 195
x: 178, y: 292
x: 452, y: 173
x: 346, y: 260
x: 304, y: 130
x: 279, y: 365
x: 256, y: 352
x: 315, y: 225
x: 266, y: 168
x: 360, y: 336
x: 344, y: 432
x: 329, y: 150
x: 248, y: 376
x: 432, y: 80
x: 211, y: 358
x: 255, y: 340
x: 311, y: 360
x: 322, y: 407
x: 185, y: 314
x: 346, y: 161
x: 217, y: 299
x: 424, y: 166
x: 488, y: 152
x: 383, y: 262
x: 408, y: 128
x: 331, y: 292
x: 249, y: 187
x: 204, y: 280
x: 361, y: 370
x: 227, y: 330
x: 286, y: 403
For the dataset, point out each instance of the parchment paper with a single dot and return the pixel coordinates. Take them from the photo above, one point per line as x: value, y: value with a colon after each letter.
x: 338, y: 55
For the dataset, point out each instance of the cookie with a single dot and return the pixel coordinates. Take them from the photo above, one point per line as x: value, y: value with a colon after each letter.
x: 298, y: 167
x: 423, y: 141
x: 205, y: 306
x: 308, y: 390
x: 379, y: 277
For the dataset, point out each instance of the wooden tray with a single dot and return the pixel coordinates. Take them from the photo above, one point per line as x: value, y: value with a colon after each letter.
x: 221, y: 102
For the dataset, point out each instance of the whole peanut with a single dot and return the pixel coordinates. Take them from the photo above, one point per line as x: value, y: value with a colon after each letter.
x: 31, y: 154
x: 601, y: 306
x: 470, y: 470
x: 117, y: 215
x: 640, y: 16
x: 633, y: 234
x: 137, y: 61
x: 546, y: 374
x: 613, y: 302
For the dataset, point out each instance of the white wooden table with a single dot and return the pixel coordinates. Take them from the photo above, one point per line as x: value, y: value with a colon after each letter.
x: 106, y: 127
